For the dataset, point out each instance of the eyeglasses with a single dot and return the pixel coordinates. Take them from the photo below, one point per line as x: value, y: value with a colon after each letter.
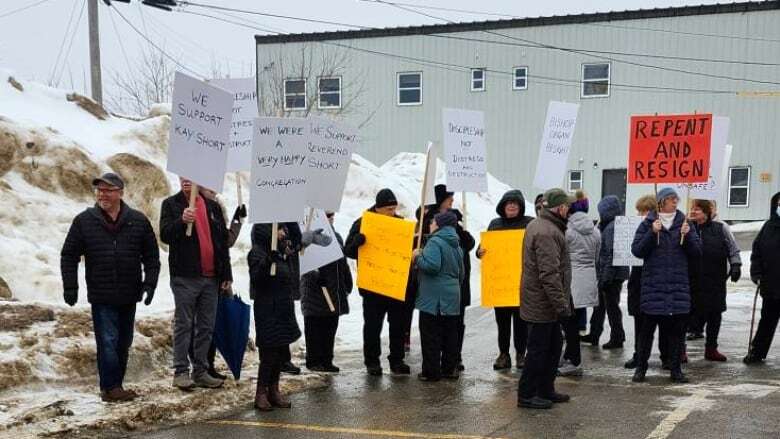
x: 101, y: 190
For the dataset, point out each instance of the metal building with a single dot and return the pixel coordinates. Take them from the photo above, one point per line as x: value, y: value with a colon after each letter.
x: 393, y: 83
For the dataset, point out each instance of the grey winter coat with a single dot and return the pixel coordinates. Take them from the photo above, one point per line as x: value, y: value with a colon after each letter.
x: 584, y: 241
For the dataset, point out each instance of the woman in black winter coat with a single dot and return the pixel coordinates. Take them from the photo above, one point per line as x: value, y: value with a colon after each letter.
x: 511, y: 215
x: 765, y: 272
x: 275, y: 324
x: 319, y: 321
x: 708, y: 292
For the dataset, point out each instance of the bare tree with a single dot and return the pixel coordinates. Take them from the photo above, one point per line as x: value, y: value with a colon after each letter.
x: 310, y: 64
x: 148, y: 82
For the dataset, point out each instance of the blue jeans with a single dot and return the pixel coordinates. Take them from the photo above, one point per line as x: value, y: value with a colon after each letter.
x: 113, y: 325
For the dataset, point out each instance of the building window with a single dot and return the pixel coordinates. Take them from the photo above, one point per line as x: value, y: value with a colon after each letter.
x: 329, y: 92
x: 739, y: 186
x: 521, y: 78
x: 477, y: 79
x: 410, y: 88
x: 294, y: 94
x: 575, y: 180
x: 595, y: 80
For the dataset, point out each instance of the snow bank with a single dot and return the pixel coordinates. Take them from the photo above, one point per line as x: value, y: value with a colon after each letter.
x: 748, y: 227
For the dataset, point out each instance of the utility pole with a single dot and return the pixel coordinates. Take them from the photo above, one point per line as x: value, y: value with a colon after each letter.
x: 94, y: 52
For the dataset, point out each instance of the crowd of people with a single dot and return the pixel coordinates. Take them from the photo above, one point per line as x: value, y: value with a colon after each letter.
x: 567, y: 268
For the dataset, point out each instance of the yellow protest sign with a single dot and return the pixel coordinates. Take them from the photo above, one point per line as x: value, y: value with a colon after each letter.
x: 384, y: 260
x: 502, y: 267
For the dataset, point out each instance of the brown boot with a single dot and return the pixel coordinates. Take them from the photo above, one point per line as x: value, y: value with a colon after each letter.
x: 261, y: 398
x: 276, y: 397
x: 116, y: 394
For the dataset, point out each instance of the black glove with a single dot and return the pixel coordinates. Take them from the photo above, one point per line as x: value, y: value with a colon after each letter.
x: 149, y: 292
x: 360, y: 239
x: 276, y: 256
x: 240, y: 212
x: 735, y: 273
x: 756, y: 279
x: 71, y: 297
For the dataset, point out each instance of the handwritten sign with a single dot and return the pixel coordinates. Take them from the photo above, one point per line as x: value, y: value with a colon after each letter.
x: 502, y: 267
x: 244, y: 113
x: 556, y: 144
x: 329, y: 148
x: 200, y: 129
x: 384, y: 260
x: 670, y: 149
x: 316, y: 256
x: 713, y: 188
x: 465, y: 150
x: 625, y: 229
x: 278, y: 177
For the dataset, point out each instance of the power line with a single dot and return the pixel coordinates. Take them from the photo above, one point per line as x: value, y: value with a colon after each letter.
x: 265, y: 14
x: 73, y: 38
x: 24, y: 8
x: 62, y: 44
x: 119, y: 38
x: 440, y: 8
x: 616, y: 60
x: 151, y: 43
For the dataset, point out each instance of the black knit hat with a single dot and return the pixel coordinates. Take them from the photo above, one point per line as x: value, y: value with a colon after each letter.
x: 384, y: 198
x: 441, y: 193
x: 445, y: 219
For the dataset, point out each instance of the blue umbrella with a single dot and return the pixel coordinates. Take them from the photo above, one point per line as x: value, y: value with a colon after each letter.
x: 231, y: 331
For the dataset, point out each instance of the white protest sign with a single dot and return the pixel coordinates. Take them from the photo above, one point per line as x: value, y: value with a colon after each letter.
x: 244, y: 113
x: 724, y: 175
x: 625, y: 230
x: 465, y: 150
x: 200, y: 131
x: 329, y: 148
x: 429, y: 179
x: 316, y: 256
x: 278, y: 176
x: 712, y: 189
x: 556, y: 144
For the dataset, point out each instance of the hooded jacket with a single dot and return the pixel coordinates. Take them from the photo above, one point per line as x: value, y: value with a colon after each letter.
x: 112, y: 260
x: 609, y: 208
x: 546, y: 284
x: 441, y: 274
x: 584, y: 241
x: 765, y: 259
x: 502, y: 222
x: 467, y: 244
x: 665, y: 273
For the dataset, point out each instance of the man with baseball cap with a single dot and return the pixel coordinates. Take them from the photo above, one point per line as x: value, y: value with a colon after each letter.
x: 118, y: 245
x: 545, y: 300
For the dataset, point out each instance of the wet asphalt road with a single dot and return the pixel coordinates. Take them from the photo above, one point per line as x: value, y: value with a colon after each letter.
x: 723, y: 401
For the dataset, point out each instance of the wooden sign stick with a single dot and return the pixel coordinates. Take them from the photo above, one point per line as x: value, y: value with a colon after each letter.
x: 274, y: 244
x: 327, y: 299
x: 689, y: 204
x: 463, y: 194
x: 422, y: 199
x: 658, y: 211
x: 239, y: 197
x: 193, y: 199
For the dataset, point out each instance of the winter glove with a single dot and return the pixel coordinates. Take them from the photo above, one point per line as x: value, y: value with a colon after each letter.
x: 756, y: 279
x: 71, y: 297
x: 240, y: 213
x: 360, y: 239
x: 149, y: 292
x: 315, y: 237
x: 735, y: 273
x: 276, y: 256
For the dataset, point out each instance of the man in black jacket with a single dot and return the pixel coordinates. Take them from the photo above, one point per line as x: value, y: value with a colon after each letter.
x: 765, y: 272
x: 376, y: 306
x: 200, y: 269
x: 115, y: 241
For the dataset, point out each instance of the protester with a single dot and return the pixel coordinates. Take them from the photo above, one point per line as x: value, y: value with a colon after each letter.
x: 538, y: 204
x: 376, y: 306
x: 234, y: 229
x: 765, y: 272
x: 665, y: 299
x: 115, y: 241
x: 610, y: 280
x: 584, y: 241
x: 644, y: 205
x: 200, y: 269
x: 319, y: 320
x: 444, y: 200
x: 709, y: 296
x: 545, y: 301
x: 441, y: 274
x: 696, y: 325
x: 511, y: 215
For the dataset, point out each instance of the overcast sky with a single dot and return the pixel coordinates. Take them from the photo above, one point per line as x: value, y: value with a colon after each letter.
x: 31, y: 40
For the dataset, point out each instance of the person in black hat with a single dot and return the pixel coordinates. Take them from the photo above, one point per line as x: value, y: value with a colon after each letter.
x: 123, y: 262
x: 376, y: 306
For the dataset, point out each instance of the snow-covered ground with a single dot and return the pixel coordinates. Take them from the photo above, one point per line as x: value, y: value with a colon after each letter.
x: 751, y: 226
x: 50, y: 149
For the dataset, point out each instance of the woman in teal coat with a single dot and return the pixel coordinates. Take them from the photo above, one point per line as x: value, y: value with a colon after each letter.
x: 441, y: 271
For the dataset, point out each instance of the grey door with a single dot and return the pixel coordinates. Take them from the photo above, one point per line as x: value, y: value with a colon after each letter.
x: 613, y: 182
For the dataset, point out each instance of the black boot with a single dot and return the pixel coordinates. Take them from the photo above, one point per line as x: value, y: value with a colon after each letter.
x: 639, y: 375
x: 632, y: 363
x: 679, y: 377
